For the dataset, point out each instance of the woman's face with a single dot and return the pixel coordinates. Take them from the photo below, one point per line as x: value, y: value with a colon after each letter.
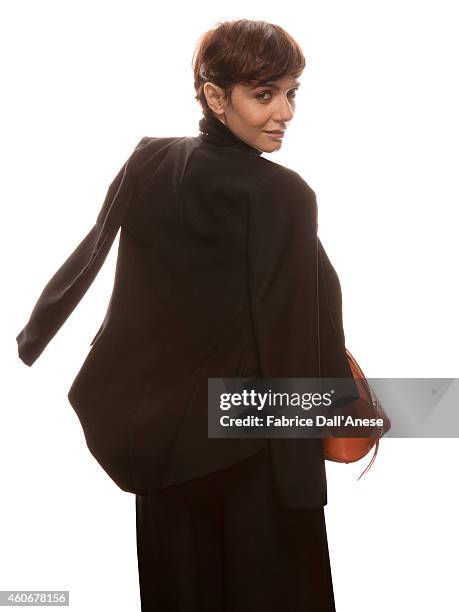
x: 253, y: 111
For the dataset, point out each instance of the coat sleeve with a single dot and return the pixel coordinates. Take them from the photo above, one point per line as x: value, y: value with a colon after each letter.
x: 294, y: 334
x: 70, y: 282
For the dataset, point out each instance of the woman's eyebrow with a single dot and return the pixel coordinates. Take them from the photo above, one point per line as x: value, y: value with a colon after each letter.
x: 272, y: 84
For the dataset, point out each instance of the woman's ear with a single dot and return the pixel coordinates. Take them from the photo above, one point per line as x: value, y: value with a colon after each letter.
x: 215, y: 96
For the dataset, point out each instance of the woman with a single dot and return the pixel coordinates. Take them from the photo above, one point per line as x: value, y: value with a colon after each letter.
x: 220, y: 273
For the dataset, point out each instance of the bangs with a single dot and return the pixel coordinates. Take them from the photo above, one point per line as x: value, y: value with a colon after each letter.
x: 270, y: 56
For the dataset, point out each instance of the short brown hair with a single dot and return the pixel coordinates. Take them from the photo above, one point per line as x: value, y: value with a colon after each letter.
x: 244, y: 51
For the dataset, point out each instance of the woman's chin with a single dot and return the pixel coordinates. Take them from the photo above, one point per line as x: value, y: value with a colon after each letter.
x: 274, y: 146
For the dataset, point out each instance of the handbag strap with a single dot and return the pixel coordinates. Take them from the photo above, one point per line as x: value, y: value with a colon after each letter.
x: 374, y: 400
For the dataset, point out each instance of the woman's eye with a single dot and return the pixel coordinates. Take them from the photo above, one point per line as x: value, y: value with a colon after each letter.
x: 263, y: 93
x: 259, y: 96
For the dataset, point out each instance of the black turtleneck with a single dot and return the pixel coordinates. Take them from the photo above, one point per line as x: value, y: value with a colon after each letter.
x: 213, y: 131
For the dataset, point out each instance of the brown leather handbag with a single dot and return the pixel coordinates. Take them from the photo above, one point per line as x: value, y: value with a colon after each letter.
x: 349, y: 450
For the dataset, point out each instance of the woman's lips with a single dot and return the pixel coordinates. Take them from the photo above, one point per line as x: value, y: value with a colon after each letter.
x: 276, y: 135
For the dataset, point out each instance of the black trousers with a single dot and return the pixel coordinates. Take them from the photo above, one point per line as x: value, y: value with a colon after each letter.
x: 224, y: 543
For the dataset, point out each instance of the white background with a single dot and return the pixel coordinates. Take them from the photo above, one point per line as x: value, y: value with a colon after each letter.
x: 376, y: 136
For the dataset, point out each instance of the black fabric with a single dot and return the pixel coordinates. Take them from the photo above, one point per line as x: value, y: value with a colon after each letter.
x: 213, y: 131
x: 219, y: 273
x: 225, y: 543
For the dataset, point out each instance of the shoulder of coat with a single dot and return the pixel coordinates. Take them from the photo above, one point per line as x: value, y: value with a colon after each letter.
x: 272, y: 175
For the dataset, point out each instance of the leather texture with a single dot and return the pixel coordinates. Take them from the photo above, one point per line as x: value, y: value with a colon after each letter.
x: 368, y: 406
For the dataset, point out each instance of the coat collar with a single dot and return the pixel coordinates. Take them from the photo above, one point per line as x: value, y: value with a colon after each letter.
x: 213, y: 131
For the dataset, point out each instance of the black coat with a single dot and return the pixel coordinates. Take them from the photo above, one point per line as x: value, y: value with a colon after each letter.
x: 220, y: 273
